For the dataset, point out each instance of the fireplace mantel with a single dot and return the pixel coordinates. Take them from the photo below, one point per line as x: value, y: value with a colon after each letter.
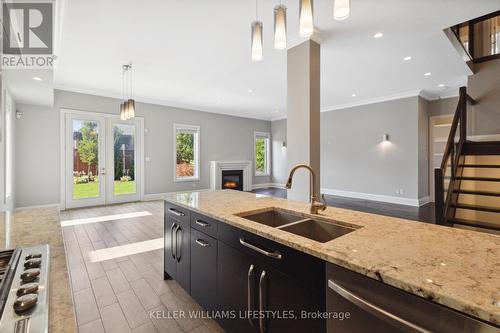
x: 216, y: 168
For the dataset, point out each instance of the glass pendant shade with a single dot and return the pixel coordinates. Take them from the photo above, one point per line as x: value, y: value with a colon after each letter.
x: 280, y: 27
x: 122, y: 111
x: 125, y: 106
x: 256, y: 41
x: 131, y: 108
x: 306, y: 23
x: 341, y: 9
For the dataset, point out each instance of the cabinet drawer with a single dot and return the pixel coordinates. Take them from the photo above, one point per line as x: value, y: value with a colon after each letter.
x: 308, y: 270
x: 204, y: 224
x: 177, y: 212
x: 203, y: 269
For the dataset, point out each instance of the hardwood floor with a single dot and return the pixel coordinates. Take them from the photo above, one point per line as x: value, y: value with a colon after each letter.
x: 115, y: 260
x: 424, y: 213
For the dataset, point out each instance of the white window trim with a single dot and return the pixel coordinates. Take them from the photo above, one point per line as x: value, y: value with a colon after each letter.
x: 197, y: 163
x: 267, y: 135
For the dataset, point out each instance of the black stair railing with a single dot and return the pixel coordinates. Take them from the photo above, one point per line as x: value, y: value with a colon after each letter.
x: 451, y: 165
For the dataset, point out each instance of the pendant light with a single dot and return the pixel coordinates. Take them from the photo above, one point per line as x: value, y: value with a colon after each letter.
x: 306, y: 23
x: 341, y: 9
x: 256, y: 36
x: 127, y: 108
x: 280, y: 27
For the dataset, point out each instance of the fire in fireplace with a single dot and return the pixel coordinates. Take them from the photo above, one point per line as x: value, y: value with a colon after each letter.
x: 232, y: 179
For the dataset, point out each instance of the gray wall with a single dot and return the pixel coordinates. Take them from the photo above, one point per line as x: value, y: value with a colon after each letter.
x: 484, y: 86
x: 354, y: 158
x: 440, y: 107
x: 38, y: 144
x: 280, y: 172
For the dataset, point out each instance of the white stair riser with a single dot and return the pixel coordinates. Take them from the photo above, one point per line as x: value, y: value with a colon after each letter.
x: 479, y: 200
x: 483, y: 159
x: 480, y: 186
x: 475, y: 215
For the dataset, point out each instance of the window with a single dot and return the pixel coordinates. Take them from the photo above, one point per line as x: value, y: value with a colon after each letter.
x: 262, y: 154
x: 186, y: 152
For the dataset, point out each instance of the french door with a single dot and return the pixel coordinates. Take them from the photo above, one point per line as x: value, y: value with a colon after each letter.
x: 103, y: 159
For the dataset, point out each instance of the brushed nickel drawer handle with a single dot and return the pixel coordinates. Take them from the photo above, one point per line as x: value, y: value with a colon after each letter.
x: 172, y: 250
x: 178, y: 248
x: 262, y: 301
x: 202, y: 243
x: 274, y: 254
x: 176, y: 212
x: 375, y: 310
x: 202, y: 223
x: 250, y: 292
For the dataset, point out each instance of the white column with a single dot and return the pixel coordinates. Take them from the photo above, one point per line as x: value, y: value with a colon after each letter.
x: 303, y: 115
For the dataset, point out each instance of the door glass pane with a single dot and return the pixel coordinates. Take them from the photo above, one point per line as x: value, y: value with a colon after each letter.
x: 124, y: 159
x: 85, y: 159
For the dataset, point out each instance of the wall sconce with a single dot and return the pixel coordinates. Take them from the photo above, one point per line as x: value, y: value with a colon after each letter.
x: 18, y: 115
x: 385, y: 137
x: 284, y: 144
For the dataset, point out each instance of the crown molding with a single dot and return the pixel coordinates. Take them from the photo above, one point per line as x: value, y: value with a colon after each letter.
x: 278, y: 118
x: 158, y: 102
x: 406, y: 94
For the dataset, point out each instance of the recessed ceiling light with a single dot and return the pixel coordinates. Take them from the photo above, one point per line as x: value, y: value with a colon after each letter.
x: 407, y: 58
x: 250, y: 91
x: 36, y: 78
x: 378, y: 35
x: 427, y: 74
x: 353, y: 95
x: 441, y: 85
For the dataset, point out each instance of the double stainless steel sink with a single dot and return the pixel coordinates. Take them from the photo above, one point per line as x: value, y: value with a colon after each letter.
x: 309, y: 227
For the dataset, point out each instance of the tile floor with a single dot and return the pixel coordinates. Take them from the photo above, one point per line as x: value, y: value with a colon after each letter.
x: 117, y: 292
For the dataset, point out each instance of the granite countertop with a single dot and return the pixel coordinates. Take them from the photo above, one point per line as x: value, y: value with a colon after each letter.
x: 456, y: 268
x: 30, y: 227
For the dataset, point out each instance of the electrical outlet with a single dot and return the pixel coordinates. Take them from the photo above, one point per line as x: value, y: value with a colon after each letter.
x: 148, y: 159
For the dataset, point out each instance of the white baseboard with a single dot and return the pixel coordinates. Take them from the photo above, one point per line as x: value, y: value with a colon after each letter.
x: 55, y: 205
x: 377, y: 197
x: 267, y: 185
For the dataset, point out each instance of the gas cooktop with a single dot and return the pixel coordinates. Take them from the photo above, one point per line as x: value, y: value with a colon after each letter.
x: 24, y: 282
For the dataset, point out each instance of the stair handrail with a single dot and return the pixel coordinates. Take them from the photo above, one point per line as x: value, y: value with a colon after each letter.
x: 452, y: 153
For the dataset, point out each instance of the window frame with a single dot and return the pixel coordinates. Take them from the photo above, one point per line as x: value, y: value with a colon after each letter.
x: 197, y: 161
x: 267, y: 136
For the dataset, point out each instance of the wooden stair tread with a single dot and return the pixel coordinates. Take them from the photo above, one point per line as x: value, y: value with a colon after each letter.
x: 475, y: 207
x: 477, y: 224
x: 485, y: 193
x: 481, y: 179
x: 493, y: 166
x: 481, y: 148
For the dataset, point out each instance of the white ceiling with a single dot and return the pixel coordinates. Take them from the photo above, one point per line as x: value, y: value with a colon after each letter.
x: 196, y: 54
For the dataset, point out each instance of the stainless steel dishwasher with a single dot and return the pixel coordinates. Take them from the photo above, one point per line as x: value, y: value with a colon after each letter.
x: 358, y: 304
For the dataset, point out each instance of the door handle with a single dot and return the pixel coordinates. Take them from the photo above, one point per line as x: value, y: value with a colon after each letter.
x: 262, y: 301
x: 202, y: 243
x: 376, y: 310
x: 176, y: 212
x: 202, y: 223
x: 172, y: 251
x: 250, y: 292
x: 274, y: 254
x: 178, y: 254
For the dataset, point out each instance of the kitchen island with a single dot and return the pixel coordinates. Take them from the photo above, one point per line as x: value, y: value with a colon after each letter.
x: 456, y: 268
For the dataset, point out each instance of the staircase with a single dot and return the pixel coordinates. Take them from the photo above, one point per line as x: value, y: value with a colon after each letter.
x: 467, y: 185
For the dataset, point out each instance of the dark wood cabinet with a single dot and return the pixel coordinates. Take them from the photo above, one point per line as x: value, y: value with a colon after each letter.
x: 264, y: 298
x: 239, y: 273
x: 236, y: 289
x: 177, y: 260
x: 203, y: 269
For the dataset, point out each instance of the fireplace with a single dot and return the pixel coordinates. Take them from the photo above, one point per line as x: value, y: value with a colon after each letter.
x: 232, y: 179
